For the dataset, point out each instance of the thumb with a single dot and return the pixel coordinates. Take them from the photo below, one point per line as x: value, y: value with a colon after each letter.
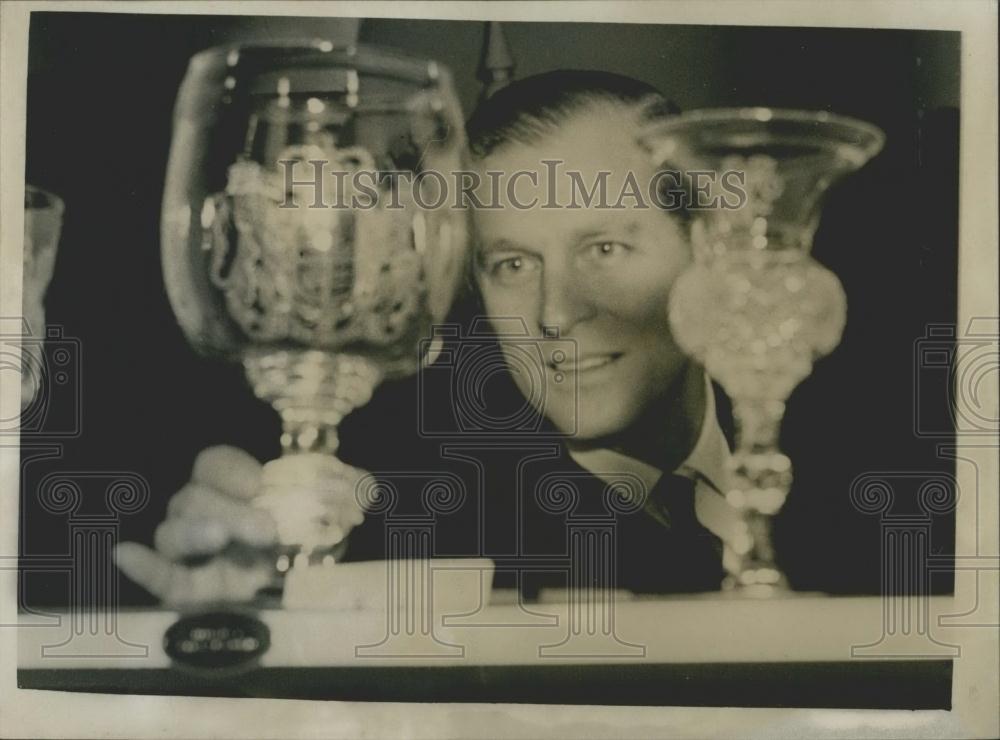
x: 148, y: 568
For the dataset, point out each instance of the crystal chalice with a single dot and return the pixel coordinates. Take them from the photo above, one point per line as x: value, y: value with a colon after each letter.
x: 301, y: 239
x: 754, y: 307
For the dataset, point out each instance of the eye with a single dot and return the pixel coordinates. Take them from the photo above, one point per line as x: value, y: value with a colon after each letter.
x: 607, y: 251
x: 512, y: 269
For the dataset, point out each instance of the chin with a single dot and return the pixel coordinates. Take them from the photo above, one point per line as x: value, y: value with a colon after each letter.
x: 605, y: 417
x: 602, y: 428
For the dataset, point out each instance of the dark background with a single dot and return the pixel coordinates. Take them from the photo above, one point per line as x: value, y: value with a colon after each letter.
x: 100, y: 95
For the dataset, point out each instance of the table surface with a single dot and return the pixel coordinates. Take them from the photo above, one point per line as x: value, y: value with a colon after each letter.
x: 672, y: 630
x: 798, y: 650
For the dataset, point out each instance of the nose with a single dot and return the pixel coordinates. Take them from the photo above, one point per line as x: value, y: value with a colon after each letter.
x: 564, y: 301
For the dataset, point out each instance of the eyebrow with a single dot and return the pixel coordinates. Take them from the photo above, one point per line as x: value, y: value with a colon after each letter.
x: 504, y: 245
x: 577, y: 235
x: 629, y: 227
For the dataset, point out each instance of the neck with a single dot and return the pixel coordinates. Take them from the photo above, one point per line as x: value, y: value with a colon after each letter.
x: 665, y: 434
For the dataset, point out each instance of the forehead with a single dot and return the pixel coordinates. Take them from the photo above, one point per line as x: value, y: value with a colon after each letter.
x: 601, y: 136
x: 599, y: 141
x: 538, y: 227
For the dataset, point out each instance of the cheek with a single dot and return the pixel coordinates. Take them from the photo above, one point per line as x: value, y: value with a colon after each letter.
x: 641, y: 317
x: 637, y: 302
x: 641, y: 294
x: 504, y: 303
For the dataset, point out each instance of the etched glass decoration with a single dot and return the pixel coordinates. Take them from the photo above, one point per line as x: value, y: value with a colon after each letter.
x: 754, y: 307
x: 302, y: 237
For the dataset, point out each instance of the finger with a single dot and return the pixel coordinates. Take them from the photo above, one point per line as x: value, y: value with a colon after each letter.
x: 178, y: 538
x: 301, y: 515
x: 343, y: 508
x: 350, y: 512
x: 242, y: 522
x: 228, y: 469
x: 152, y: 571
x: 224, y: 580
x: 310, y: 490
x: 352, y: 516
x: 172, y: 583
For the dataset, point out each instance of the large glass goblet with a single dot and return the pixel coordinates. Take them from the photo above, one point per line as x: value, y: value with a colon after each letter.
x: 303, y: 238
x: 755, y: 308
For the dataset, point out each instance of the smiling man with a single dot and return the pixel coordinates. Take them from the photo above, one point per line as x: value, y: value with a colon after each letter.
x: 600, y: 276
x: 635, y: 407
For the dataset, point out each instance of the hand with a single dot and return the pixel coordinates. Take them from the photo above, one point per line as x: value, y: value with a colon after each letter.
x: 213, y: 515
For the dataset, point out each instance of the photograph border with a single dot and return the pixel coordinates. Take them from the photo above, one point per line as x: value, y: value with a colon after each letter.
x: 26, y: 713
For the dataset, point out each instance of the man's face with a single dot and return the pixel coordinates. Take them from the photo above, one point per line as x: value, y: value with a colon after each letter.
x: 600, y: 276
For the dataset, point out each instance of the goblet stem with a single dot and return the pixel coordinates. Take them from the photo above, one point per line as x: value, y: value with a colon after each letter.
x: 312, y: 391
x: 308, y: 490
x: 761, y: 479
x: 758, y: 422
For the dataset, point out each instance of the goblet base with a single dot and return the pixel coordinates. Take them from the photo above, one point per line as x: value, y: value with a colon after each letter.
x: 313, y: 500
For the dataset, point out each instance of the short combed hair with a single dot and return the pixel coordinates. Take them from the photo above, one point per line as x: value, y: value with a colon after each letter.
x: 528, y: 109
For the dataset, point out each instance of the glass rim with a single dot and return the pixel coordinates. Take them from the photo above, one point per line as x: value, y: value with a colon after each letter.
x: 39, y: 199
x: 366, y: 56
x: 870, y: 137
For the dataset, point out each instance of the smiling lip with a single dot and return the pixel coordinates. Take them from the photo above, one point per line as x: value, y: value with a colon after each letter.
x: 584, y: 364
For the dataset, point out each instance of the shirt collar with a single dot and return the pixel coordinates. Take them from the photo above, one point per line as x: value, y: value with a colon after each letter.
x: 710, y: 456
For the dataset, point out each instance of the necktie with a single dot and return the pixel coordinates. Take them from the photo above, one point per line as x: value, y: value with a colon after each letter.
x: 670, y: 551
x: 671, y: 502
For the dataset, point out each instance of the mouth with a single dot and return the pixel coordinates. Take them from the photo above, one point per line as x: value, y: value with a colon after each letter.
x: 585, y: 364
